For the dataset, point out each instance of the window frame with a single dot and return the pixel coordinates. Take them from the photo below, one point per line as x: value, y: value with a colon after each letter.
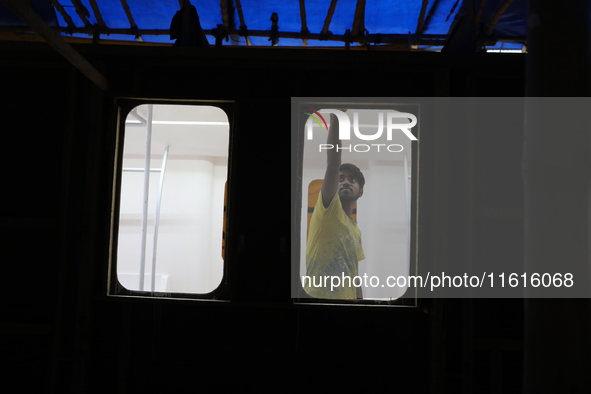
x: 123, y: 106
x: 298, y: 120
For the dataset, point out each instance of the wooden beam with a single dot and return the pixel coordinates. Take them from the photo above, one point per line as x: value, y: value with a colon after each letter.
x: 23, y: 10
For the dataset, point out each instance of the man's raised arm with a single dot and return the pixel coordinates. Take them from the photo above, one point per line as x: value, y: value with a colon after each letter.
x: 333, y: 165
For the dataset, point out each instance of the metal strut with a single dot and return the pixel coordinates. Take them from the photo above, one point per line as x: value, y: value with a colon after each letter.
x: 146, y: 170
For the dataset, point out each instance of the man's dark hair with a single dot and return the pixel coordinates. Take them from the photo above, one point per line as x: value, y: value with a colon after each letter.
x: 355, y: 170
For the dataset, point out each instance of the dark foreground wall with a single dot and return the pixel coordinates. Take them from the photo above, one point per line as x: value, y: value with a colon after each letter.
x: 60, y: 333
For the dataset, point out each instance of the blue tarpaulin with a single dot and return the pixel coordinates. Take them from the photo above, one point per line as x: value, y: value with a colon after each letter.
x: 412, y: 21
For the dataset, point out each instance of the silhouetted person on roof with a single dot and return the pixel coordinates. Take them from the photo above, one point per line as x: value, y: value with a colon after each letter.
x: 186, y: 28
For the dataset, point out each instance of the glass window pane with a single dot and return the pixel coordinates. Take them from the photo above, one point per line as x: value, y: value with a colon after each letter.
x: 382, y: 213
x: 171, y: 219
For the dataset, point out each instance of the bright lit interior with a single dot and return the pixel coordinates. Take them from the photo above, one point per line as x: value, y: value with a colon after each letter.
x: 383, y: 212
x: 171, y: 217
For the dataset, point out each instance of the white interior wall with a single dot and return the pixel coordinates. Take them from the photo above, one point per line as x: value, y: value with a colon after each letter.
x: 190, y: 230
x: 382, y: 216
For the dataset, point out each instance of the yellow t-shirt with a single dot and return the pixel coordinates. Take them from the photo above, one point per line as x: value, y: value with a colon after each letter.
x: 333, y: 252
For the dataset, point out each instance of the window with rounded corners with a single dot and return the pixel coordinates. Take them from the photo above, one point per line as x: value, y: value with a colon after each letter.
x: 387, y: 158
x: 169, y: 216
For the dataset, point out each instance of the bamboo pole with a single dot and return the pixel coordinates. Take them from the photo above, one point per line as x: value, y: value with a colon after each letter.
x: 129, y: 14
x: 83, y: 13
x: 98, y: 15
x: 497, y: 16
x: 242, y: 22
x: 224, y: 9
x: 421, y: 23
x: 328, y: 19
x: 429, y: 15
x: 303, y: 18
x: 421, y: 20
x: 64, y: 14
x: 359, y: 20
x: 479, y: 13
x: 274, y: 38
x: 426, y: 39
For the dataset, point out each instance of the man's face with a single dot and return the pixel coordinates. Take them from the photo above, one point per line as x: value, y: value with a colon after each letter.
x: 349, y: 189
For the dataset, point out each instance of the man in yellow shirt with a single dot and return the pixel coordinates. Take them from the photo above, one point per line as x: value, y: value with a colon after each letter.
x: 334, y: 241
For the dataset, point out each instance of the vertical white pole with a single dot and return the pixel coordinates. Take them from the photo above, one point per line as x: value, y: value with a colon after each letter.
x: 157, y: 218
x: 146, y: 193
